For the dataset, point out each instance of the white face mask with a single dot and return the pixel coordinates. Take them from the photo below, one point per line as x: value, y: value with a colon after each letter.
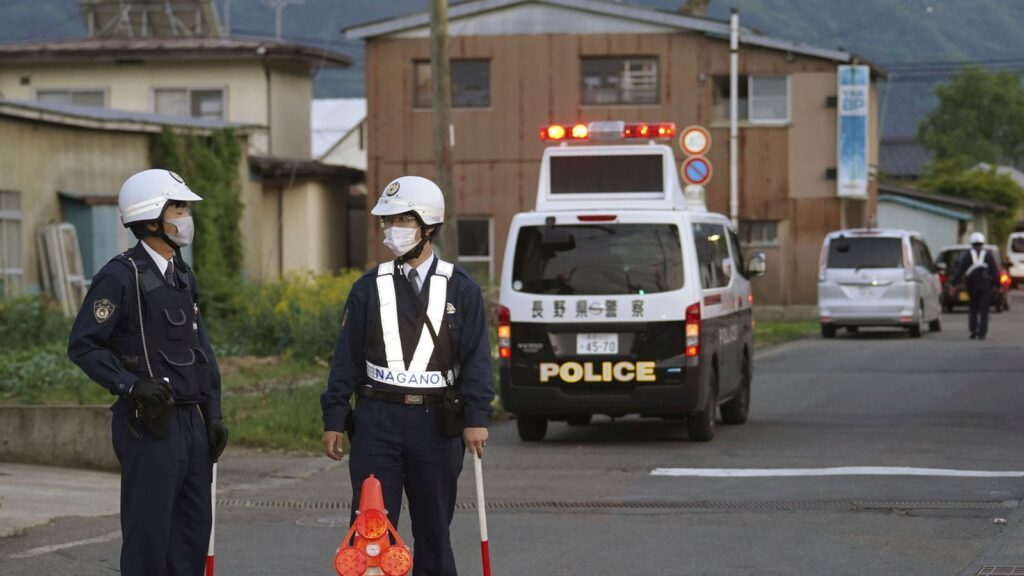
x: 186, y: 231
x: 400, y: 240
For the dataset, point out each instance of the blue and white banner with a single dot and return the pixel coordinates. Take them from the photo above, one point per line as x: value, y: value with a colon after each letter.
x: 854, y: 90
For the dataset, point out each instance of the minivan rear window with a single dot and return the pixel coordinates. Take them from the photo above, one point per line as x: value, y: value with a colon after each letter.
x: 598, y: 259
x: 865, y: 253
x: 1017, y: 244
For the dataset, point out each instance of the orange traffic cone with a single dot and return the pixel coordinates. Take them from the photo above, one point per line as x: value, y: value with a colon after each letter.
x: 372, y: 551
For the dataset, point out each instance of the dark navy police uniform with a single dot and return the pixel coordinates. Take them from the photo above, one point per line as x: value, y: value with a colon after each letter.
x: 981, y: 278
x: 165, y: 482
x: 397, y: 435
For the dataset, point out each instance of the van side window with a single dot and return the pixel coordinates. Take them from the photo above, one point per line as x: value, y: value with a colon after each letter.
x: 712, y: 246
x: 922, y: 257
x: 737, y: 255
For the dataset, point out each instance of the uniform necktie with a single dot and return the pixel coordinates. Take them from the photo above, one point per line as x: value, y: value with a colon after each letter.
x: 414, y: 279
x: 169, y: 273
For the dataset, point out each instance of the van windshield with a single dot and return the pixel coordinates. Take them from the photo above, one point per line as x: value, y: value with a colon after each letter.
x: 598, y: 259
x: 1017, y: 245
x: 865, y: 253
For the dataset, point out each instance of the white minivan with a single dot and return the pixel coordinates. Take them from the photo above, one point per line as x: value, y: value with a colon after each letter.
x: 873, y: 277
x: 1015, y: 257
x: 618, y: 296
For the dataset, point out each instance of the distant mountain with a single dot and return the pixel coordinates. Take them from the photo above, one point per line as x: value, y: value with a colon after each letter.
x: 899, y: 35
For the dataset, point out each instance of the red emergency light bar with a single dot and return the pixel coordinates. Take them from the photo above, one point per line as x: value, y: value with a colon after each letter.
x: 633, y: 130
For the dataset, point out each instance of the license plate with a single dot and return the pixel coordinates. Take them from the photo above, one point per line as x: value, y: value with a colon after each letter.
x: 963, y: 297
x: 597, y: 343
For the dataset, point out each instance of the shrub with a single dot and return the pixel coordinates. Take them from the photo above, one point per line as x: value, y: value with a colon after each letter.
x: 31, y: 321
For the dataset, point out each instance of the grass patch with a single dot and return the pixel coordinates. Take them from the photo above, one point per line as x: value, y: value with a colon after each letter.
x: 772, y: 332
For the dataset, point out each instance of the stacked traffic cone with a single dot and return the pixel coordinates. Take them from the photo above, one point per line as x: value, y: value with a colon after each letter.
x: 372, y: 551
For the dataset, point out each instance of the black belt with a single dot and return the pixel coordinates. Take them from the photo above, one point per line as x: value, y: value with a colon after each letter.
x: 398, y: 397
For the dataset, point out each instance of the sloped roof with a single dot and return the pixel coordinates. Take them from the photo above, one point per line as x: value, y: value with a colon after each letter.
x: 332, y: 119
x: 925, y: 207
x: 173, y: 48
x: 711, y: 27
x: 108, y: 118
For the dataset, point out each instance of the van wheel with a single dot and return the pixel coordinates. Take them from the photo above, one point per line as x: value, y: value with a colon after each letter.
x: 935, y: 325
x: 579, y: 419
x: 915, y: 330
x: 828, y: 331
x: 701, y: 425
x: 531, y: 428
x: 735, y: 411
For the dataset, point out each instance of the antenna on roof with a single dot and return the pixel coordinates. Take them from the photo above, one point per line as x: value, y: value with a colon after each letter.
x: 149, y: 18
x: 278, y: 6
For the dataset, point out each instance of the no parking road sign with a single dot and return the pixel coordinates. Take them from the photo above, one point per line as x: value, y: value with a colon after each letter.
x: 696, y: 171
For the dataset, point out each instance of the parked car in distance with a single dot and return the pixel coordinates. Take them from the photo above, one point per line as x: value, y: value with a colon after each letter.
x: 948, y: 260
x: 877, y: 277
x: 1015, y: 258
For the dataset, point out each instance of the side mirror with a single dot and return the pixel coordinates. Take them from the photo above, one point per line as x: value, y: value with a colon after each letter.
x: 757, y: 265
x: 727, y: 266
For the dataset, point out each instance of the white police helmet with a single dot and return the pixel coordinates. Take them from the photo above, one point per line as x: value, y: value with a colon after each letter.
x: 977, y: 238
x: 144, y: 195
x: 412, y: 194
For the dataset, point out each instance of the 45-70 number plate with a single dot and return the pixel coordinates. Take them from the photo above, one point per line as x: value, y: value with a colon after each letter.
x: 597, y: 344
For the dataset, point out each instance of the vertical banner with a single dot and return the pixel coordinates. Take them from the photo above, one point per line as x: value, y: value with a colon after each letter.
x: 852, y: 177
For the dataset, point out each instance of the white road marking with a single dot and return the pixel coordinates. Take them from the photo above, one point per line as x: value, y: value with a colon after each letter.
x: 57, y: 547
x: 840, y: 471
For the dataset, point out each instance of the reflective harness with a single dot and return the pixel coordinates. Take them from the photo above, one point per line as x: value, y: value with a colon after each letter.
x: 977, y: 262
x: 397, y: 373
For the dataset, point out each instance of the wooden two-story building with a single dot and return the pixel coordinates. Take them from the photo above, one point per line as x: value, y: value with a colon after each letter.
x: 519, y: 64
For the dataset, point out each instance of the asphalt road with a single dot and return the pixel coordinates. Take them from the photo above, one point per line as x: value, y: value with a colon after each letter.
x: 585, y: 502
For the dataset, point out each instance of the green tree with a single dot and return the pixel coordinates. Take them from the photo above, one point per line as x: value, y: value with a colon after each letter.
x: 980, y: 118
x: 983, y: 185
x: 209, y: 164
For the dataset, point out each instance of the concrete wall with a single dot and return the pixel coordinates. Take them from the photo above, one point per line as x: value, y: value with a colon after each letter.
x: 67, y: 436
x: 291, y: 95
x: 304, y: 228
x: 39, y: 159
x: 938, y: 231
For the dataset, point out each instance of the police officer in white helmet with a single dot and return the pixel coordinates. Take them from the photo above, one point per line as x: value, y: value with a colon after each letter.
x: 979, y: 271
x: 414, y: 348
x: 140, y: 336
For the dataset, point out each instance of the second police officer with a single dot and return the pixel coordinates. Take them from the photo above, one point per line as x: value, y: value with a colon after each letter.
x: 978, y: 270
x: 414, y: 348
x: 139, y: 335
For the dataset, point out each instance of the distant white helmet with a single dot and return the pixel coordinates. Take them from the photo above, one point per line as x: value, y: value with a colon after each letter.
x: 412, y: 194
x: 144, y: 195
x: 977, y: 238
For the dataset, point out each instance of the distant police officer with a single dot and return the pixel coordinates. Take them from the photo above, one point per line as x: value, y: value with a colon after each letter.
x: 979, y: 271
x: 139, y: 335
x: 414, y: 348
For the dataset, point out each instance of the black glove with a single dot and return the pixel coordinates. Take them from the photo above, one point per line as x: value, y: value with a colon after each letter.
x: 217, y: 434
x: 151, y: 392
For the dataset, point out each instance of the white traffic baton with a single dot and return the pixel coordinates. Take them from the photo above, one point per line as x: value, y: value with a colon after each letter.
x: 213, y: 521
x: 485, y: 552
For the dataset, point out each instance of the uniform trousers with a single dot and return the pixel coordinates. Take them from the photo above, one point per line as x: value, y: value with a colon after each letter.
x: 165, y: 494
x: 980, y: 300
x: 402, y: 446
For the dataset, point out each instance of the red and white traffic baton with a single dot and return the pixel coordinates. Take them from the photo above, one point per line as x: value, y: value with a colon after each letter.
x: 481, y: 509
x: 213, y: 521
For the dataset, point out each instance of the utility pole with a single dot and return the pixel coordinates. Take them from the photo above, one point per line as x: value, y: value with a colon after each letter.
x: 734, y: 132
x: 444, y: 130
x: 279, y: 6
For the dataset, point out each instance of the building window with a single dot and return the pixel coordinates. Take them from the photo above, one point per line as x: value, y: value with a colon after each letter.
x: 10, y: 243
x: 471, y: 84
x: 761, y: 99
x: 611, y: 81
x: 76, y: 97
x: 206, y: 103
x: 759, y: 233
x: 475, y: 247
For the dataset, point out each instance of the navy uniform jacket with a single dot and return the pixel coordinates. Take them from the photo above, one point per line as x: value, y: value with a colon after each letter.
x: 980, y: 280
x: 112, y: 295
x: 472, y: 349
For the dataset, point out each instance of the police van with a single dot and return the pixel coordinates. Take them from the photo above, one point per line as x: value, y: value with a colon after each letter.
x: 620, y: 294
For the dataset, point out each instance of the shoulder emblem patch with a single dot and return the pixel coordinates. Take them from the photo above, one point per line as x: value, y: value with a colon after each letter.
x: 449, y: 308
x: 102, y: 310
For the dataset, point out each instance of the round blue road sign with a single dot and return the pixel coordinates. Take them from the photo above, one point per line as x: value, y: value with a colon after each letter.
x: 696, y: 170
